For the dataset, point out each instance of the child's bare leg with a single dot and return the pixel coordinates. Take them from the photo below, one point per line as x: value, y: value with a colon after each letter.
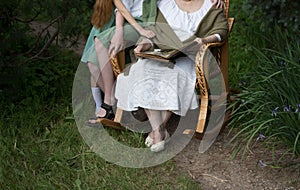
x: 96, y: 84
x: 106, y: 73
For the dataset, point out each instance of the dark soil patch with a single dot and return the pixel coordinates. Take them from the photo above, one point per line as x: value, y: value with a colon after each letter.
x: 216, y: 169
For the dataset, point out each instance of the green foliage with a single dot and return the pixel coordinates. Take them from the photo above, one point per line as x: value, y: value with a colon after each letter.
x: 243, y: 35
x: 269, y: 103
x: 46, y: 79
x: 59, y: 22
x: 255, y: 21
x: 50, y: 78
x: 256, y: 51
x: 284, y: 13
x: 74, y: 16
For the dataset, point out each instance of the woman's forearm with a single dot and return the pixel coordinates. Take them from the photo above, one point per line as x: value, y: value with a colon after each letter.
x: 210, y: 39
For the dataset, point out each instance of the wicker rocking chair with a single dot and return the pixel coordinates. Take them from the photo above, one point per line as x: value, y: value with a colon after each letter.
x: 221, y: 56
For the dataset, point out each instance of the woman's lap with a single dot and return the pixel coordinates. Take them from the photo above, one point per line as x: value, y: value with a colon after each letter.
x: 153, y: 85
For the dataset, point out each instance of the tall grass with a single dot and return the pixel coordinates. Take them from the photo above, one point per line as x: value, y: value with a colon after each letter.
x: 268, y: 106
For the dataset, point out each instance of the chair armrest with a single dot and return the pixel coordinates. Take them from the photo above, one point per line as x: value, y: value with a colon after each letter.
x: 215, y: 44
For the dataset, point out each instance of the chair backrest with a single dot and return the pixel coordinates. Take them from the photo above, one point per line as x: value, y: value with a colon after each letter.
x: 226, y: 13
x: 226, y: 8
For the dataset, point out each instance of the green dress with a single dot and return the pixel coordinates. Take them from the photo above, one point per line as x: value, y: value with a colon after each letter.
x: 89, y: 54
x: 106, y: 33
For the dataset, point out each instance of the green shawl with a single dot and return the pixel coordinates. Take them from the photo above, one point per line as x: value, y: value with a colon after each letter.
x: 213, y: 22
x: 149, y: 11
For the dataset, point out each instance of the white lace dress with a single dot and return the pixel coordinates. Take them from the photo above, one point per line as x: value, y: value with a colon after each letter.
x: 152, y: 84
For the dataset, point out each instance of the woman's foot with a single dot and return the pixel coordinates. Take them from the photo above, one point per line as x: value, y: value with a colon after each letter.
x: 160, y: 146
x: 150, y: 138
x: 158, y: 142
x: 161, y: 136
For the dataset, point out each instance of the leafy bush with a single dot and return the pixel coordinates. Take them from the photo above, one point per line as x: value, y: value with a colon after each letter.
x: 268, y: 107
x: 53, y: 79
x: 284, y: 13
x: 244, y: 35
x: 252, y: 18
x: 29, y: 28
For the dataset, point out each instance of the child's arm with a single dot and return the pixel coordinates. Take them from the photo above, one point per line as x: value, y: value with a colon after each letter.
x: 117, y: 41
x: 122, y: 9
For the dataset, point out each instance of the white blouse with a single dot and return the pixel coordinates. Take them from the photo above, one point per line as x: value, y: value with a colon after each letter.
x: 135, y: 7
x: 183, y: 23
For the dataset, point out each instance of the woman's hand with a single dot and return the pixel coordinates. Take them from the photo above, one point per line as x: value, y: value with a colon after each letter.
x: 117, y: 43
x: 218, y: 3
x: 199, y: 41
x: 147, y: 33
x: 144, y: 45
x: 194, y: 47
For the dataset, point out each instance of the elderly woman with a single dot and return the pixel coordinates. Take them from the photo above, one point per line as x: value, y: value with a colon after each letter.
x: 161, y: 89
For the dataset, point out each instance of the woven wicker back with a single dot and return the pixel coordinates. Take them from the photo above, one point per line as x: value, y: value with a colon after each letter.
x: 226, y: 8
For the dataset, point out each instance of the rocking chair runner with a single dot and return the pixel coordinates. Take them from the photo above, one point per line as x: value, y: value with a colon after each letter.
x: 221, y: 56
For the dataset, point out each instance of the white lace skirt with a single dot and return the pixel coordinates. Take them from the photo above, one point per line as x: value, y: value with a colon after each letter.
x: 152, y: 84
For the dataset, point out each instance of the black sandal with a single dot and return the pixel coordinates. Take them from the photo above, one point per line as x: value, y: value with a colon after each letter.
x: 108, y: 115
x: 109, y: 111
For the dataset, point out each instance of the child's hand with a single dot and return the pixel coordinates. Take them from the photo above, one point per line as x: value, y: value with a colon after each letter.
x: 117, y: 43
x: 147, y: 33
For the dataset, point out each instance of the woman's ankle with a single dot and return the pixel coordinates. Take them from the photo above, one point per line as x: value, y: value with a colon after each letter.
x: 158, y: 135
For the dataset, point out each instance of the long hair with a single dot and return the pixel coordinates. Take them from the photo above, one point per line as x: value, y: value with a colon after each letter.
x: 102, y: 12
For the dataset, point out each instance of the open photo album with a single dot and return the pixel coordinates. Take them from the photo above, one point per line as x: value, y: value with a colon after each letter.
x: 168, y: 55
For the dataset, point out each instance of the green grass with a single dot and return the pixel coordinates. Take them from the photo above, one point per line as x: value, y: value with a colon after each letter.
x: 41, y: 146
x: 41, y: 151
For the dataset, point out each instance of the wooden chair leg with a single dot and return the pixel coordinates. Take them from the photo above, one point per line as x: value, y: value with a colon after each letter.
x: 202, y: 115
x: 118, y: 116
x: 109, y: 123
